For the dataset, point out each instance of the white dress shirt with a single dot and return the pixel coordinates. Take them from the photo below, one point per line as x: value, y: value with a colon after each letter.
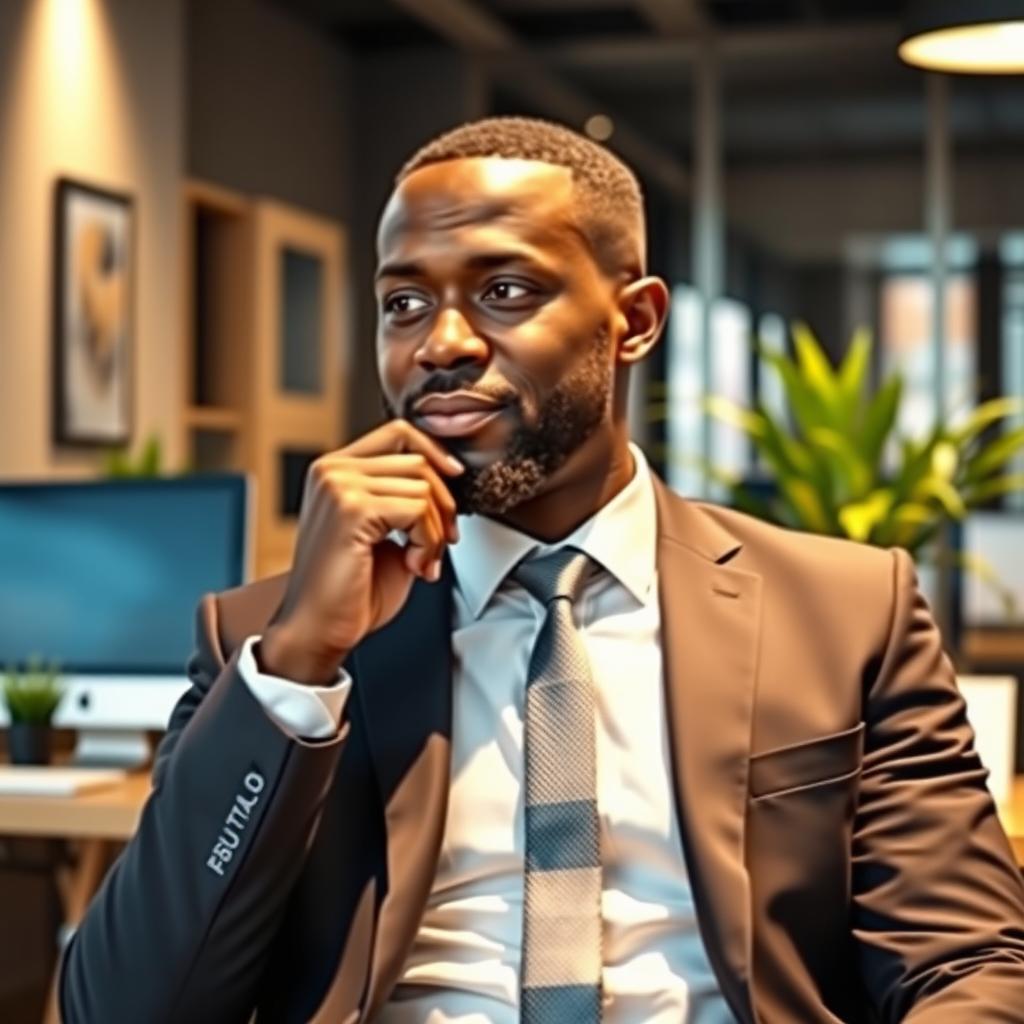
x: 464, y: 964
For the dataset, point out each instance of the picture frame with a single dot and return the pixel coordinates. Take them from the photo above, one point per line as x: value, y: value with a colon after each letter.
x: 93, y: 315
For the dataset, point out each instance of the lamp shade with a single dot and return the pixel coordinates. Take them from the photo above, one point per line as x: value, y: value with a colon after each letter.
x: 978, y: 37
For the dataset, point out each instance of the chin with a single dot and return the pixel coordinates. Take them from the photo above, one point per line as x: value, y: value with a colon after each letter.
x: 474, y: 457
x: 496, y: 485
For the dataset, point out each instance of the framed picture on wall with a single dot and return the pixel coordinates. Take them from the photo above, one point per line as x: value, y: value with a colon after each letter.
x: 93, y: 335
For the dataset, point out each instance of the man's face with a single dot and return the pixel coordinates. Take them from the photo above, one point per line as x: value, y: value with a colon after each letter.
x: 485, y: 287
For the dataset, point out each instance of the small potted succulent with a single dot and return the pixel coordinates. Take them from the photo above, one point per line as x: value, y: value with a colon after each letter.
x: 32, y: 697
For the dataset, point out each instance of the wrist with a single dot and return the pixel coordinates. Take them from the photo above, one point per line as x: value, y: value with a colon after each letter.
x: 277, y: 653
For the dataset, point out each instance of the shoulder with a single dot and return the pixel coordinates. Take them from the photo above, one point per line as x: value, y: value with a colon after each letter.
x: 808, y: 559
x: 760, y: 534
x: 844, y: 599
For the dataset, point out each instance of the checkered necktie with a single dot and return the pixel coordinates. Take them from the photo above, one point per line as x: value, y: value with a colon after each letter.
x: 561, y: 961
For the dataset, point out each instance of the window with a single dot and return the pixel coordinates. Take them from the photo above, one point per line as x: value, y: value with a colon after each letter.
x: 771, y: 393
x: 908, y: 347
x: 1012, y: 251
x: 729, y: 375
x: 685, y: 426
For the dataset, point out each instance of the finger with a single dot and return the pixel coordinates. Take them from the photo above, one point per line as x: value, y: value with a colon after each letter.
x: 413, y: 466
x: 401, y: 436
x: 425, y: 542
x: 398, y: 486
x: 425, y: 534
x: 442, y: 498
x: 411, y: 487
x: 418, y: 519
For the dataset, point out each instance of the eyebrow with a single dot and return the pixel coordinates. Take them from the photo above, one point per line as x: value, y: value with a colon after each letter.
x: 480, y: 261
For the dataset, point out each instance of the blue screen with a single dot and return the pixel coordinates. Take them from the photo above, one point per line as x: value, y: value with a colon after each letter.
x: 105, y: 577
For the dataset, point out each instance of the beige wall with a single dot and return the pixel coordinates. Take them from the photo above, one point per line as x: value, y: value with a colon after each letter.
x: 268, y: 105
x: 93, y: 89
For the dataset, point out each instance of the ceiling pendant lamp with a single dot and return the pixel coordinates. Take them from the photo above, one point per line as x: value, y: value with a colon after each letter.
x: 978, y: 37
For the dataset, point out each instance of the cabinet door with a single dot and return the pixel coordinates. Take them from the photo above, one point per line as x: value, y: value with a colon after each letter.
x: 298, y: 350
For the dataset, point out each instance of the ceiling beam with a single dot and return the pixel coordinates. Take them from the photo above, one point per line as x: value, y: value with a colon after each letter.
x: 519, y: 71
x: 462, y: 23
x: 733, y: 47
x: 674, y: 17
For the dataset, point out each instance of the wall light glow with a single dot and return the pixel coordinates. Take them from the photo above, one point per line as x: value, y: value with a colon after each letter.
x: 994, y: 49
x: 71, y: 28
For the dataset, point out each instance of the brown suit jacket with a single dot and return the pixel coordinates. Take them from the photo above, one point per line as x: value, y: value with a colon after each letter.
x: 846, y: 859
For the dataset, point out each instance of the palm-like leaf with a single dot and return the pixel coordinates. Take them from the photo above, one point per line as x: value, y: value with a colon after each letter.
x: 828, y: 466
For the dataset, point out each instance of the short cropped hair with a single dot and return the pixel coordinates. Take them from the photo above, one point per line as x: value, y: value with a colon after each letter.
x: 609, y: 200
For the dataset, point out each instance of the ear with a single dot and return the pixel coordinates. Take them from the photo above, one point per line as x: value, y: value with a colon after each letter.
x: 643, y: 306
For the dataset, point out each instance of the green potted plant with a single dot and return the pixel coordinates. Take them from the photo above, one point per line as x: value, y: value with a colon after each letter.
x: 118, y: 463
x: 828, y: 463
x: 32, y: 697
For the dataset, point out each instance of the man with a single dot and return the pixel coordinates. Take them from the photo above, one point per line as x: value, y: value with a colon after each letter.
x: 522, y: 735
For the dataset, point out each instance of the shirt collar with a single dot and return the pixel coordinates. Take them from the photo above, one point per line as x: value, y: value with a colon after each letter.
x: 621, y: 536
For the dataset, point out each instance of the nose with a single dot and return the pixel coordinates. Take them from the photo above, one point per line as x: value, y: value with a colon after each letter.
x: 451, y: 343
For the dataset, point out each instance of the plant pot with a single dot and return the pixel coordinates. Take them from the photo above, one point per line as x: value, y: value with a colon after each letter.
x: 29, y: 743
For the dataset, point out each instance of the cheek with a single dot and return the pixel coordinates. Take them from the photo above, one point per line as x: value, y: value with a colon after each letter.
x: 558, y: 340
x: 392, y: 368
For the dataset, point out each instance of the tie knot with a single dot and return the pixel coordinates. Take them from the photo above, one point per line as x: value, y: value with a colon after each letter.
x: 560, y: 574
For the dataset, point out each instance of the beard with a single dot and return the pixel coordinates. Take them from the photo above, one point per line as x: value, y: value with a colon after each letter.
x: 540, y: 444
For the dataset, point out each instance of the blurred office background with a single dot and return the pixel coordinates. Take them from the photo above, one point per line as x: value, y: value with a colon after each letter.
x: 794, y: 169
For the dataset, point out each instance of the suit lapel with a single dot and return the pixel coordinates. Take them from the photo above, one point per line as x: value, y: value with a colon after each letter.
x: 710, y: 624
x: 404, y: 673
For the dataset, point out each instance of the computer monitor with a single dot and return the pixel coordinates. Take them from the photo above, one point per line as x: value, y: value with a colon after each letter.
x: 104, y: 578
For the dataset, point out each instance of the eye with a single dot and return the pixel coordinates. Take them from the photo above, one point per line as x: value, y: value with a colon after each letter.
x: 508, y: 291
x: 404, y: 304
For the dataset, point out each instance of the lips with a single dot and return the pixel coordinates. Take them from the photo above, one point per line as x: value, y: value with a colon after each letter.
x: 457, y: 414
x: 457, y: 424
x: 455, y: 402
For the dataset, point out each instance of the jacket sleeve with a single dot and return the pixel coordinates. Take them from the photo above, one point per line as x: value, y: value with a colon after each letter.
x: 182, y: 926
x: 938, y: 903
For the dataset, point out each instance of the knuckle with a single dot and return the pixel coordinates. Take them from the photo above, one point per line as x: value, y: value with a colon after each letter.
x: 348, y: 500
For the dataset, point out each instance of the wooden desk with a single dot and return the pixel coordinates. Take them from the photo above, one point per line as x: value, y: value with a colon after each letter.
x: 96, y: 823
x: 111, y: 813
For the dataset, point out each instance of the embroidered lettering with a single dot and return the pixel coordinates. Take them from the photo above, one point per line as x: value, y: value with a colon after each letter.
x: 235, y: 823
x: 246, y: 805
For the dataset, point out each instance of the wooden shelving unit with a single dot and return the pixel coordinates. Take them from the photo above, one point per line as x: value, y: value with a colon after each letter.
x: 262, y: 348
x: 210, y: 417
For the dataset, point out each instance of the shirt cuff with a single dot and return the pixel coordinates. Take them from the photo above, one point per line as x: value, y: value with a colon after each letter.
x: 308, y: 712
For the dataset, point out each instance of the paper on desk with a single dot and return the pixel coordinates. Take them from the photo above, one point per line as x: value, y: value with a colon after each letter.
x: 44, y: 780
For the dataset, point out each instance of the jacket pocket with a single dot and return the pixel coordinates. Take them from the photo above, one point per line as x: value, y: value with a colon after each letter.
x: 825, y: 759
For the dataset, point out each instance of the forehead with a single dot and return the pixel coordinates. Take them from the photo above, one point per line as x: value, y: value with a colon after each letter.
x: 451, y: 202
